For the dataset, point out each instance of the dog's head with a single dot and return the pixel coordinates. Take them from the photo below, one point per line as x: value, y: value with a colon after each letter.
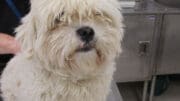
x: 82, y: 35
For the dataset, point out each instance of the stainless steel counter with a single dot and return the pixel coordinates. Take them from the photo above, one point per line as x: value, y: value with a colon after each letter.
x: 151, y: 7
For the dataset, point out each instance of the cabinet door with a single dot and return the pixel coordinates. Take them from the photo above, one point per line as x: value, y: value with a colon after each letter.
x: 134, y: 62
x: 169, y: 62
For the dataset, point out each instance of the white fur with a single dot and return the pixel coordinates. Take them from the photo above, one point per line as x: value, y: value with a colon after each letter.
x: 49, y: 68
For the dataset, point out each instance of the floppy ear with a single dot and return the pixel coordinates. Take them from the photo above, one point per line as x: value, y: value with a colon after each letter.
x: 26, y: 33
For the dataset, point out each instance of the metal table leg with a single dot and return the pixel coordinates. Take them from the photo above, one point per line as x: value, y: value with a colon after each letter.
x: 145, y: 90
x: 152, y: 88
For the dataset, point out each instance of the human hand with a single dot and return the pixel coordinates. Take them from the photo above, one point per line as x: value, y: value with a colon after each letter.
x: 8, y: 45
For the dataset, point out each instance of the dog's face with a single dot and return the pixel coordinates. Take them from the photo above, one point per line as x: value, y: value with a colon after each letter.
x: 82, y: 35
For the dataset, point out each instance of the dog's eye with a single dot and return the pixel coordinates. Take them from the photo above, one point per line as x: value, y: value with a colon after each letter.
x: 59, y: 18
x: 57, y: 21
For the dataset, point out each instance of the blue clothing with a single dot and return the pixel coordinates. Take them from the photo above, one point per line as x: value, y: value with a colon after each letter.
x: 14, y: 9
x: 8, y: 20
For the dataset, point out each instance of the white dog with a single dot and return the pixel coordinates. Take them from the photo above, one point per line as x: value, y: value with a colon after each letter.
x: 68, y: 52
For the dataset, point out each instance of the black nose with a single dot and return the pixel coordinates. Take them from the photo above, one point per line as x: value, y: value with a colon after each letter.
x: 86, y: 34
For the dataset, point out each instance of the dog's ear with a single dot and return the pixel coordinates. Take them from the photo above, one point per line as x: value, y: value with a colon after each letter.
x: 26, y: 33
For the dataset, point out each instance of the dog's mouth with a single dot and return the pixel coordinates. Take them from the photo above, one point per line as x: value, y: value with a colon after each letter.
x: 86, y: 47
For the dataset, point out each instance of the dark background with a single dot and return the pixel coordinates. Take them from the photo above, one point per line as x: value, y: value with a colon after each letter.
x: 8, y: 22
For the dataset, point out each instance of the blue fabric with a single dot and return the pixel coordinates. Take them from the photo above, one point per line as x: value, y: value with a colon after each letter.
x: 14, y: 9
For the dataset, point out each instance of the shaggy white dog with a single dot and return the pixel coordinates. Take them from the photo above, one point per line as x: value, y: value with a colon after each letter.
x: 68, y: 52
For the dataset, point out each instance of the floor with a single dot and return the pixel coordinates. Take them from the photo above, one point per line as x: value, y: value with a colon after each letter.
x: 133, y: 91
x: 172, y: 94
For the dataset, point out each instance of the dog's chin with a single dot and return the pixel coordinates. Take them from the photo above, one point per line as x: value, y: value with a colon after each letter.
x: 87, y: 52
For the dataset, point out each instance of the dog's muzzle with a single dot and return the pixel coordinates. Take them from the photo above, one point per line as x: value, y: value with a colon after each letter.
x: 86, y: 35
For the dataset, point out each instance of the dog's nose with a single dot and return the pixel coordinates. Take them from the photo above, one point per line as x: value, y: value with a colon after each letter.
x: 86, y: 34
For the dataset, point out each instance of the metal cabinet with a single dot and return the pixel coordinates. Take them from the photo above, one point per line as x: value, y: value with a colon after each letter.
x: 134, y: 64
x: 168, y: 50
x: 169, y: 60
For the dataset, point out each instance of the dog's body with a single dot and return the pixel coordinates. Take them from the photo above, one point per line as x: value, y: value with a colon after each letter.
x: 28, y: 82
x: 68, y: 52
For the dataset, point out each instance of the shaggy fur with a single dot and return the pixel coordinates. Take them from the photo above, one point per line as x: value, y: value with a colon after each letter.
x: 50, y: 68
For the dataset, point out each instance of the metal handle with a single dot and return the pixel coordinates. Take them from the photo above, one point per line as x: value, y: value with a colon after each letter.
x: 143, y: 47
